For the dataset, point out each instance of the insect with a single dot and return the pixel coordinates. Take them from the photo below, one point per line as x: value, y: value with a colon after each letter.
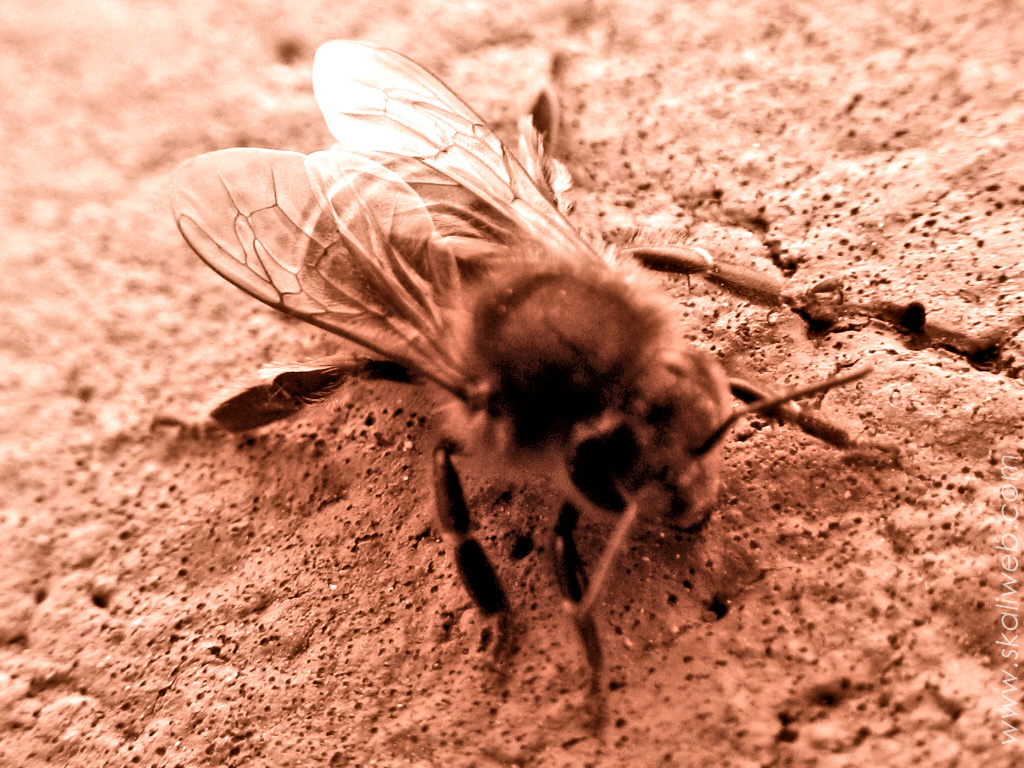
x: 422, y: 239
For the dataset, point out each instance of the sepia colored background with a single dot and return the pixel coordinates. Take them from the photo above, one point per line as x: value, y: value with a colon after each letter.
x: 171, y: 596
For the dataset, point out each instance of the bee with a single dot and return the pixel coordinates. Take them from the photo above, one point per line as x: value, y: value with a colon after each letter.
x: 422, y: 239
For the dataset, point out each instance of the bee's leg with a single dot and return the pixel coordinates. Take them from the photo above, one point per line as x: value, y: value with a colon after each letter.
x: 749, y: 284
x: 572, y: 580
x: 824, y: 307
x: 790, y: 413
x: 475, y: 569
x: 810, y: 421
x: 539, y: 143
x: 294, y: 388
x: 580, y: 594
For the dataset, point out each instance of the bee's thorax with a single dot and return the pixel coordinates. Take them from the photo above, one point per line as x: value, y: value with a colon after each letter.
x: 559, y: 347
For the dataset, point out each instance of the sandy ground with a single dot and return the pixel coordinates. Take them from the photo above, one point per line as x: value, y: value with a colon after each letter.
x: 174, y: 598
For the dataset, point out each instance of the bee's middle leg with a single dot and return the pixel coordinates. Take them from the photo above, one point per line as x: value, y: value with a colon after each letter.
x: 470, y: 559
x: 790, y: 413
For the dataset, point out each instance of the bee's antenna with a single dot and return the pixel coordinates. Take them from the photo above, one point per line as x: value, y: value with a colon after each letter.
x: 611, y: 549
x: 768, y: 403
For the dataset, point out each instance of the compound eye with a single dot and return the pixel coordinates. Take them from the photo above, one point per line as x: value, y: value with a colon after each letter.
x: 600, y: 464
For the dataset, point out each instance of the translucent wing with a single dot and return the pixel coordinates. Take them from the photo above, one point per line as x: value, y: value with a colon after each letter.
x: 375, y: 97
x: 373, y: 239
x: 260, y: 218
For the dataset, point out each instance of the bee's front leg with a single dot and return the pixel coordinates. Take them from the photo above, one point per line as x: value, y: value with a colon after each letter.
x: 572, y: 580
x: 475, y: 569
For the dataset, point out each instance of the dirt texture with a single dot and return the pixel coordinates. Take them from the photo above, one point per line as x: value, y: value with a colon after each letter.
x: 172, y: 596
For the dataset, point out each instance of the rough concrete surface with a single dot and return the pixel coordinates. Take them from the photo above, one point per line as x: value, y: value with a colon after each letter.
x: 179, y: 597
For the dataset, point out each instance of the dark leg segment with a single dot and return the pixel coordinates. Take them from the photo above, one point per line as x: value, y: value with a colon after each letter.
x: 292, y: 390
x: 479, y: 577
x: 789, y: 412
x: 808, y: 420
x: 824, y: 306
x: 572, y: 579
x: 475, y: 569
x: 748, y: 284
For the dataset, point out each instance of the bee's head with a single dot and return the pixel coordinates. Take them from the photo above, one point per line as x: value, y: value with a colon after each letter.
x: 653, y: 444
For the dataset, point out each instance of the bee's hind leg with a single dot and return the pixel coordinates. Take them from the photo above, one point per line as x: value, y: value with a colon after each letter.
x: 472, y: 563
x: 294, y: 387
x: 750, y: 284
